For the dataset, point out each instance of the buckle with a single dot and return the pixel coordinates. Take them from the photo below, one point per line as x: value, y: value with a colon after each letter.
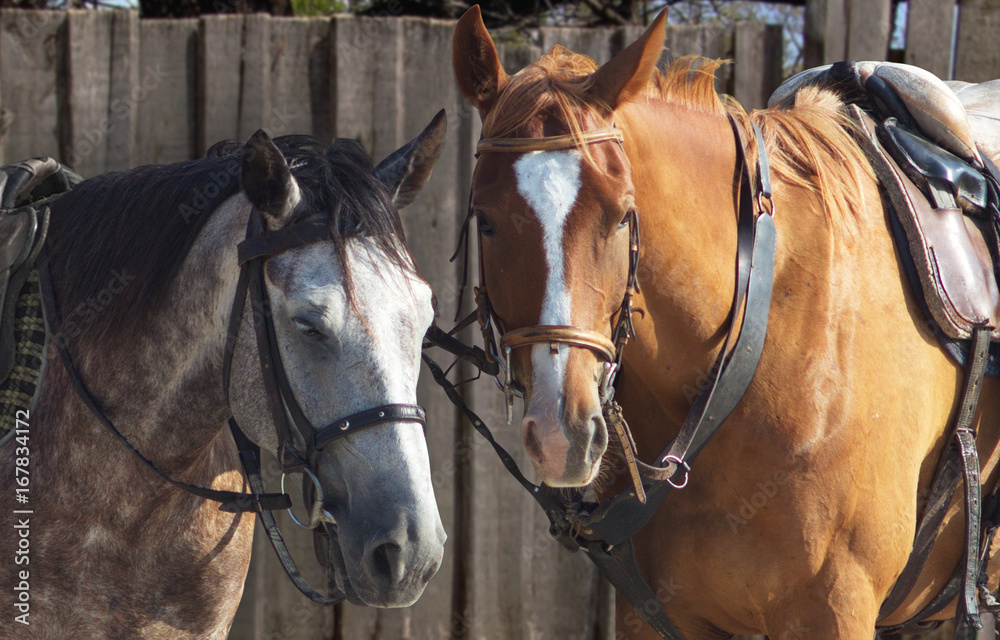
x: 680, y: 465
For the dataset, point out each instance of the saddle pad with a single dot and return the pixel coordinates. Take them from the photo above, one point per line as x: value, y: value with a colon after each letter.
x: 18, y: 390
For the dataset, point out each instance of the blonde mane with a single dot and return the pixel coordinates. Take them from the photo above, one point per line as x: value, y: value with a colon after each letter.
x: 810, y: 141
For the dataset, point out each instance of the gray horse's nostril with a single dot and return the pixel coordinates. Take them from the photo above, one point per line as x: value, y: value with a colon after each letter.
x: 386, y: 564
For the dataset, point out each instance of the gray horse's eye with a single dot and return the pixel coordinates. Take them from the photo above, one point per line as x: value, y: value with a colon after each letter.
x: 306, y: 327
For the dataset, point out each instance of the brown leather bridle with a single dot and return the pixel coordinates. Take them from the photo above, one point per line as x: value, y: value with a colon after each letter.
x: 604, y: 530
x: 608, y: 350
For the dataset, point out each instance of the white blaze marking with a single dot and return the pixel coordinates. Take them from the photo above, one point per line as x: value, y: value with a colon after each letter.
x: 550, y: 181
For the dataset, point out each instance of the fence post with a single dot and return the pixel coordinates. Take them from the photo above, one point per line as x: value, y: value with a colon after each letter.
x: 978, y: 57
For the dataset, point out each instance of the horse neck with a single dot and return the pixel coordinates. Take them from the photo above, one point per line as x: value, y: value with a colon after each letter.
x: 683, y: 165
x: 161, y: 386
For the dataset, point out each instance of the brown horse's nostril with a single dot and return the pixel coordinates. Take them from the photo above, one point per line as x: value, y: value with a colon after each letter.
x: 531, y: 442
x: 598, y: 440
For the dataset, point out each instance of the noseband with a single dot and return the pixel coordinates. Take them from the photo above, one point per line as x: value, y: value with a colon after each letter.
x: 291, y: 424
x: 608, y: 350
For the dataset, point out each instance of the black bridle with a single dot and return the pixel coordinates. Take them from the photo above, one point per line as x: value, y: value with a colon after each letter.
x: 604, y: 531
x: 292, y: 426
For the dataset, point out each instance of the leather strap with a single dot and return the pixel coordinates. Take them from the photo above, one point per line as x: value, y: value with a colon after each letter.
x: 250, y: 456
x: 231, y: 501
x: 613, y: 418
x: 555, y: 334
x: 437, y: 337
x: 959, y: 459
x: 550, y: 143
x: 369, y: 418
x: 272, y: 243
x: 604, y: 531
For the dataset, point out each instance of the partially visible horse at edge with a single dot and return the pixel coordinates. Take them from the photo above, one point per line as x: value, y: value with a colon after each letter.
x: 800, y: 513
x: 116, y: 552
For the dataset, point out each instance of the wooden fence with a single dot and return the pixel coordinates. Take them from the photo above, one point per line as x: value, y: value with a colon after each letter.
x: 103, y: 90
x: 954, y: 39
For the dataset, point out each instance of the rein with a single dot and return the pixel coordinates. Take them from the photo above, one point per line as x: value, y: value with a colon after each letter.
x: 292, y: 426
x: 604, y: 530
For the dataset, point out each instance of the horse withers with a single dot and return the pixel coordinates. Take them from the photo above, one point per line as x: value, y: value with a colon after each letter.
x: 799, y: 515
x: 144, y: 272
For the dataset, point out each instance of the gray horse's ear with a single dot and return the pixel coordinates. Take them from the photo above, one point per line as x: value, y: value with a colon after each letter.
x: 265, y: 177
x: 406, y: 170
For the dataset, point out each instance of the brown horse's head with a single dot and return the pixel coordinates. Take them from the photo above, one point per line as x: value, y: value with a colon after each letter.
x: 554, y: 227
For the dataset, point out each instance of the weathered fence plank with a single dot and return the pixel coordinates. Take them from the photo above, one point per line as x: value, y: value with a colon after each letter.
x: 869, y: 29
x: 389, y: 82
x: 255, y: 95
x: 32, y: 64
x: 300, y: 78
x: 757, y: 68
x: 826, y: 31
x: 125, y: 89
x: 977, y: 58
x: 352, y: 78
x: 167, y: 91
x: 929, y: 35
x: 220, y: 56
x: 88, y: 79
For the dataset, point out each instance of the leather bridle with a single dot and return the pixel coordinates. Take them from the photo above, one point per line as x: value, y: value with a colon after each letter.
x: 291, y: 424
x: 604, y: 531
x: 290, y: 420
x: 608, y: 350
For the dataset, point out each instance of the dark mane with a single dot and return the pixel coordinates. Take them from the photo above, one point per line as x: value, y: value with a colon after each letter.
x: 137, y: 226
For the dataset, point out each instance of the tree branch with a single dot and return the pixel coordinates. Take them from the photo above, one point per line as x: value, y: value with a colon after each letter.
x: 607, y: 13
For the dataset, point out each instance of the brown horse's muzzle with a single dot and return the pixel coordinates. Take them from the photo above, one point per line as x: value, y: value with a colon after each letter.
x: 563, y: 429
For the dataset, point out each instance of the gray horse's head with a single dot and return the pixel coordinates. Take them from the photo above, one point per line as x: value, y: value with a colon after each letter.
x: 349, y: 316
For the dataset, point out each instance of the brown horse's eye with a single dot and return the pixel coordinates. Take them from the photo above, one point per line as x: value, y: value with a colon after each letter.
x: 485, y: 227
x: 625, y: 220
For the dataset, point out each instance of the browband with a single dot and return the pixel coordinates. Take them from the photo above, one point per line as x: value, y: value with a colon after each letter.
x: 555, y: 334
x: 551, y: 143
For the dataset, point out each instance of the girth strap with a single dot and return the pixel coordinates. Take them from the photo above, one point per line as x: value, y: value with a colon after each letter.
x: 960, y: 458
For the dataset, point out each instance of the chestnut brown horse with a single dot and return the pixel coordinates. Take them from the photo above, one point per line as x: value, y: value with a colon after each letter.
x: 800, y: 514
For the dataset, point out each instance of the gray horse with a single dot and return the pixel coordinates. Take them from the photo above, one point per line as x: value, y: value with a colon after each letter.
x: 144, y: 270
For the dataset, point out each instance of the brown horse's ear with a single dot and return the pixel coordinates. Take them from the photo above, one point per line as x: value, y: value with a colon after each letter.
x: 478, y: 70
x: 625, y: 75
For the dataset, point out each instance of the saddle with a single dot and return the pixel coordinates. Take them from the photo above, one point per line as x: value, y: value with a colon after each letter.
x: 25, y: 189
x: 934, y: 147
